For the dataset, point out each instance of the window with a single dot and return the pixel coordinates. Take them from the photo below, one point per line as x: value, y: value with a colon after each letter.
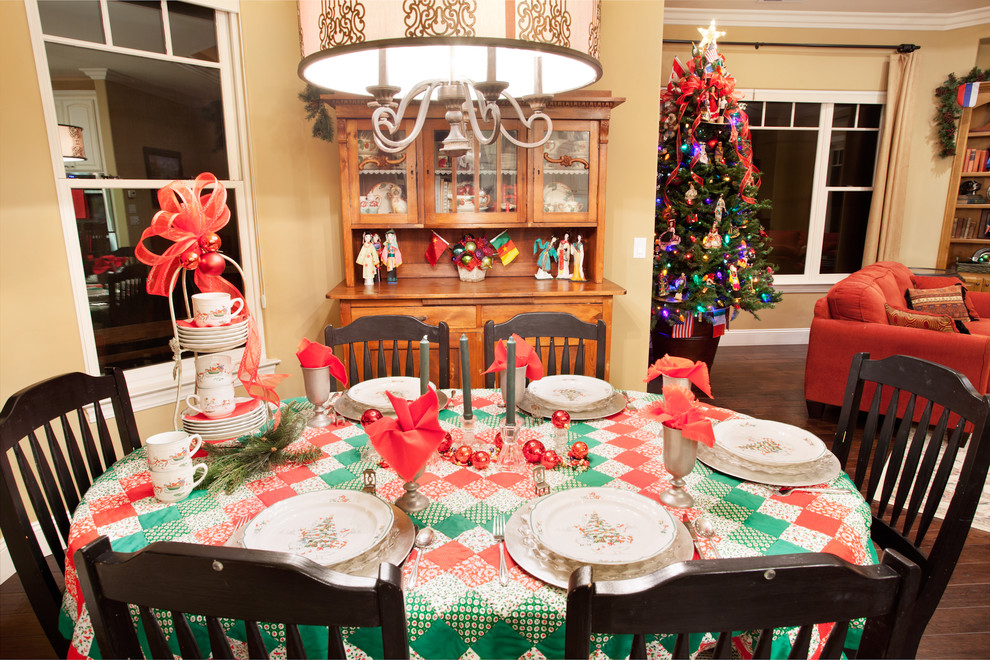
x: 151, y: 85
x: 816, y: 153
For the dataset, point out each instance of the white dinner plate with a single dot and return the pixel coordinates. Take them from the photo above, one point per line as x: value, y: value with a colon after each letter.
x: 768, y: 443
x: 327, y: 526
x: 371, y: 393
x: 211, y: 328
x: 221, y: 424
x: 602, y: 526
x: 189, y: 415
x: 211, y: 346
x: 569, y: 392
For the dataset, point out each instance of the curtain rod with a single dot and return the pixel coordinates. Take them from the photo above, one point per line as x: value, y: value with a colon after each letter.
x: 901, y: 48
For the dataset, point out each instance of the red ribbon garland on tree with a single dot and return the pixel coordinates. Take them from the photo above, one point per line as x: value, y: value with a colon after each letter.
x: 186, y: 217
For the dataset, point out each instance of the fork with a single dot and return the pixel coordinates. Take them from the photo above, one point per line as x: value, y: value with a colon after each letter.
x: 498, y: 531
x: 784, y: 491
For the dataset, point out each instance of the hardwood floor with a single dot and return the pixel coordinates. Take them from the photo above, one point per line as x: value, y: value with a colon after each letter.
x: 764, y: 382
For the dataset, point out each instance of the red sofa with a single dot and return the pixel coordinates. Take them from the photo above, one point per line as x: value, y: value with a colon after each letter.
x: 852, y: 318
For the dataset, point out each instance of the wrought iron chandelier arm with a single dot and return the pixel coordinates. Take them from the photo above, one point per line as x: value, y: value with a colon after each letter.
x: 386, y: 117
x: 538, y: 115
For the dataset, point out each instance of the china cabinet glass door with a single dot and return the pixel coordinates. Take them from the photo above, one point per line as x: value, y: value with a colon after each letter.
x: 567, y: 174
x: 385, y: 182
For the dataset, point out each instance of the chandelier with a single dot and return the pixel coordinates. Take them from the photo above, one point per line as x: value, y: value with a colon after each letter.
x: 477, y: 58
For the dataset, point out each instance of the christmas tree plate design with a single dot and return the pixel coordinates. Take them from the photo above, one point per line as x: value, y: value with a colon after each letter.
x: 768, y: 443
x: 602, y: 526
x: 570, y: 393
x: 327, y: 526
x: 372, y: 393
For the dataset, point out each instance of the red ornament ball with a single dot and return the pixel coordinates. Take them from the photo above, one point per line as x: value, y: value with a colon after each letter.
x: 209, y: 242
x: 712, y: 142
x: 212, y: 264
x: 445, y: 444
x: 560, y: 419
x: 189, y: 259
x: 463, y: 455
x: 578, y: 450
x: 480, y: 459
x: 370, y: 416
x: 532, y: 450
x: 499, y: 442
x: 550, y: 459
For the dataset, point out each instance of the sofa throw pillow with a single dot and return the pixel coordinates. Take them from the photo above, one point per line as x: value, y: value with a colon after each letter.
x: 909, y: 319
x: 947, y: 300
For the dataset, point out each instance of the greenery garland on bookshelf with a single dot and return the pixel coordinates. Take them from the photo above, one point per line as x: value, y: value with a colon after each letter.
x: 948, y: 110
x: 317, y: 111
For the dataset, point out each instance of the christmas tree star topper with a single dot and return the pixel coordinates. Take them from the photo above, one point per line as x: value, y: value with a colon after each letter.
x: 708, y: 36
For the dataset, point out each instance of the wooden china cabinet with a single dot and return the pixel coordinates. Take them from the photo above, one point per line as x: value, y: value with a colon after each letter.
x: 530, y: 193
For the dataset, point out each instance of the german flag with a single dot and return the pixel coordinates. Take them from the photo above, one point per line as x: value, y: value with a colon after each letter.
x: 506, y: 248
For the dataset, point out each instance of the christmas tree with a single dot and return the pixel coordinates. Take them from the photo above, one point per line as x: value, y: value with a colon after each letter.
x: 710, y: 253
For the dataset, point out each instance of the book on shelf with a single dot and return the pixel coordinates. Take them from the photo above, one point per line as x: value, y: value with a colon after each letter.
x: 975, y: 160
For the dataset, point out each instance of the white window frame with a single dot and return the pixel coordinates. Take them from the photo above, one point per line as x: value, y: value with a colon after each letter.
x: 811, y: 281
x: 155, y: 385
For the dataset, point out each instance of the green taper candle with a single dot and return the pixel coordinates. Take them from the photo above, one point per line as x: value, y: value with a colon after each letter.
x: 424, y: 365
x: 466, y: 377
x: 510, y: 384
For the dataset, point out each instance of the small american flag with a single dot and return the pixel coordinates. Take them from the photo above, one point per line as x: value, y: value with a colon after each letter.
x: 711, y: 54
x: 684, y: 330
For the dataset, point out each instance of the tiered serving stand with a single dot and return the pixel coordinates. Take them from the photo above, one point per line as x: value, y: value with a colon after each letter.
x: 201, y: 341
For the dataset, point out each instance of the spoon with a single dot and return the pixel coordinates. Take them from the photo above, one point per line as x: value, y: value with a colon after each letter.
x: 423, y: 538
x: 704, y: 528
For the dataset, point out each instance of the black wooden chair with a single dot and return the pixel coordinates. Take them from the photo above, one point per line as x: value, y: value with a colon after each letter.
x: 251, y: 586
x: 915, y: 461
x: 49, y: 447
x: 560, y: 353
x: 377, y: 344
x: 750, y: 593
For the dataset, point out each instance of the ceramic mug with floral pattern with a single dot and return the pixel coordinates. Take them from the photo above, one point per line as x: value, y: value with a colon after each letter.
x: 175, y: 485
x: 214, y: 308
x: 214, y: 402
x: 166, y: 451
x: 213, y: 370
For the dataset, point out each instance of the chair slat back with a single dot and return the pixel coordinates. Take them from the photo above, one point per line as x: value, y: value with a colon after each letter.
x: 388, y: 345
x: 904, y: 468
x: 50, y: 454
x: 558, y: 338
x: 767, y: 594
x: 223, y: 583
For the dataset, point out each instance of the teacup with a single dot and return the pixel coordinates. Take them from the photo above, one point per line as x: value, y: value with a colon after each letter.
x: 175, y: 485
x: 213, y: 370
x: 214, y: 402
x: 369, y: 204
x: 214, y: 308
x: 169, y: 450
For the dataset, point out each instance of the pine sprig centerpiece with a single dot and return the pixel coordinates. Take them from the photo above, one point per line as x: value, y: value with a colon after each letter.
x: 231, y: 466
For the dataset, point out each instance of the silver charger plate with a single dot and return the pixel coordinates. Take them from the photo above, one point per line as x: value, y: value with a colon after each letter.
x: 351, y: 409
x: 615, y: 404
x: 393, y: 549
x: 819, y: 471
x: 524, y: 550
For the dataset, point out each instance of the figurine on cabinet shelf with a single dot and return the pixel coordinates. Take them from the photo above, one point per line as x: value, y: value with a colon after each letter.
x: 564, y: 258
x: 577, y: 251
x: 391, y: 256
x: 548, y: 254
x: 368, y: 259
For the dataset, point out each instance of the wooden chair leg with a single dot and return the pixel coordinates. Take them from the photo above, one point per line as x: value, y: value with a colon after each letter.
x: 815, y: 409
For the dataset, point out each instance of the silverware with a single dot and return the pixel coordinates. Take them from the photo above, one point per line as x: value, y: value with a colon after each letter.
x: 423, y: 538
x: 694, y: 535
x: 704, y: 528
x: 784, y: 491
x: 498, y: 531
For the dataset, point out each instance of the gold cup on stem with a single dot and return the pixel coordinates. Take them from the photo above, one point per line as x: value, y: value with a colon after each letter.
x: 679, y: 454
x: 317, y: 382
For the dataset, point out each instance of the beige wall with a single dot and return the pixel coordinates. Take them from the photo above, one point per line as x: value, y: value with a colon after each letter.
x: 858, y: 70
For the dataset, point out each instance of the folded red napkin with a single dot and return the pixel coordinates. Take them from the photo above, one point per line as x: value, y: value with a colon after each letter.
x: 526, y: 356
x: 679, y: 367
x: 680, y: 410
x: 313, y: 356
x: 408, y: 441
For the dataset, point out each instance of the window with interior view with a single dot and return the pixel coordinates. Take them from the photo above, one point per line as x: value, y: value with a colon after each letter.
x: 144, y: 83
x: 816, y: 161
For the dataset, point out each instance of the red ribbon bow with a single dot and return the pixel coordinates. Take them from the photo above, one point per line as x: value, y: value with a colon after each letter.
x: 679, y: 410
x: 680, y: 367
x: 408, y: 441
x: 526, y: 356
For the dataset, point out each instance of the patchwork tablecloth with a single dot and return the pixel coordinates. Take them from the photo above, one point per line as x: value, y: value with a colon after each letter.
x: 458, y: 608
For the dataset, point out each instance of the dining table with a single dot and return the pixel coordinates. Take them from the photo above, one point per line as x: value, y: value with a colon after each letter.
x: 458, y: 607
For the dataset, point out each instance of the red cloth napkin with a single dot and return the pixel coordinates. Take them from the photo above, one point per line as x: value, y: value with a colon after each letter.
x: 679, y: 367
x: 408, y: 441
x: 313, y: 356
x: 680, y: 410
x: 526, y: 356
x: 108, y: 262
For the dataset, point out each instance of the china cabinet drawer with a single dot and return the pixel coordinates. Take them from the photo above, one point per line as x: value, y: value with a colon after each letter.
x: 588, y: 312
x: 456, y: 316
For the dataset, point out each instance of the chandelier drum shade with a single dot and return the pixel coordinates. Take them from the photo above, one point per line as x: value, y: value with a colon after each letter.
x: 469, y: 54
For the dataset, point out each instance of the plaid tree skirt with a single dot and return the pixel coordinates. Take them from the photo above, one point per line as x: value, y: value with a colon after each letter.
x: 458, y: 608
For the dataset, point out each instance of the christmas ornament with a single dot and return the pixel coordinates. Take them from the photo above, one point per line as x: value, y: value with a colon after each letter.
x: 578, y: 450
x: 212, y: 263
x: 532, y: 450
x: 720, y: 208
x: 445, y: 444
x: 691, y: 193
x: 560, y: 419
x: 463, y: 455
x: 499, y: 442
x: 370, y: 416
x: 550, y: 459
x: 189, y: 259
x: 209, y: 242
x: 712, y: 238
x: 669, y: 238
x: 480, y: 460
